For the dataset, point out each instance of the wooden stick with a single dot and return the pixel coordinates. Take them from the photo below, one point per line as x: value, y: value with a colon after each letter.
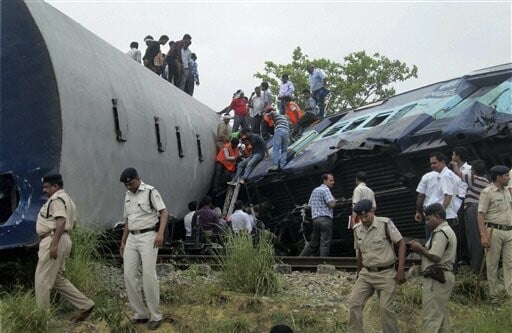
x: 477, y: 289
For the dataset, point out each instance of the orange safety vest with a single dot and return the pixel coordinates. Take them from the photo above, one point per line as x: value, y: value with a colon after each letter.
x: 293, y: 112
x: 268, y: 120
x: 229, y: 165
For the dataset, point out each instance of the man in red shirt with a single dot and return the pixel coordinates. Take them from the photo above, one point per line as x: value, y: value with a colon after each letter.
x: 239, y: 105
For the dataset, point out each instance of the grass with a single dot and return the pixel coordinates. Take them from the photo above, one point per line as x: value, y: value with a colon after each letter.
x: 245, y: 296
x: 18, y: 309
x: 248, y: 268
x: 19, y: 313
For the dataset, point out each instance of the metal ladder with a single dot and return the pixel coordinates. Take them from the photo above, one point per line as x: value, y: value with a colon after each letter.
x: 231, y: 198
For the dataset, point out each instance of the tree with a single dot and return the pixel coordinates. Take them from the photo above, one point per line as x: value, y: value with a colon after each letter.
x: 361, y: 79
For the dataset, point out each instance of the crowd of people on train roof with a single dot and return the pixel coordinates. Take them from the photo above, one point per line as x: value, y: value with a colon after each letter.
x: 178, y: 66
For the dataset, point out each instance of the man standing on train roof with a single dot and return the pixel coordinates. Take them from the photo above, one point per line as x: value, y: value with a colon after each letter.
x: 279, y: 141
x: 374, y: 240
x: 317, y: 86
x: 322, y: 203
x: 286, y: 89
x: 142, y: 236
x: 153, y: 49
x: 134, y: 52
x: 55, y: 221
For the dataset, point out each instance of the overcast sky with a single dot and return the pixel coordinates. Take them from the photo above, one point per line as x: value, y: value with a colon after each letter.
x: 233, y: 39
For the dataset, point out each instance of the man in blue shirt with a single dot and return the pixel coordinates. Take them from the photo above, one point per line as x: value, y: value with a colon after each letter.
x: 317, y: 87
x: 322, y: 203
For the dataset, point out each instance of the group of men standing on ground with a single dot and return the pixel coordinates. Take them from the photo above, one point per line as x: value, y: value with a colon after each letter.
x: 488, y: 225
x: 178, y: 66
x: 145, y: 217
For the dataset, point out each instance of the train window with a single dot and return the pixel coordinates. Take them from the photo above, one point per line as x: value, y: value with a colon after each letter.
x: 199, y: 151
x: 120, y: 121
x: 334, y: 129
x: 161, y: 141
x: 9, y: 197
x: 355, y: 124
x: 377, y: 120
x: 178, y: 139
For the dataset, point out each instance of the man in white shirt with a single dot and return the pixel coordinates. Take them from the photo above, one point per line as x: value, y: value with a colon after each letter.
x: 286, y: 89
x: 240, y: 220
x: 256, y: 106
x: 134, y: 52
x: 361, y: 192
x: 459, y: 162
x: 187, y: 220
x: 438, y: 186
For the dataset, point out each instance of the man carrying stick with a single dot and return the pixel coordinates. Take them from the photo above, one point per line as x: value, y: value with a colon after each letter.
x: 495, y: 225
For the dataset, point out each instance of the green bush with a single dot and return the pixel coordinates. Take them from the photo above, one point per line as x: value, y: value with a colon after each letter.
x: 248, y: 268
x: 20, y: 313
x: 82, y: 267
x: 83, y: 270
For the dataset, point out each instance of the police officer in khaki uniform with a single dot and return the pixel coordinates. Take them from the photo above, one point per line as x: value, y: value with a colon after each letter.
x: 141, y: 239
x: 495, y: 225
x: 373, y: 240
x: 438, y: 253
x: 54, y: 223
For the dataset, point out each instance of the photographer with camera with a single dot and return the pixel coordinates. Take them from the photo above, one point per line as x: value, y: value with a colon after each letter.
x: 438, y: 257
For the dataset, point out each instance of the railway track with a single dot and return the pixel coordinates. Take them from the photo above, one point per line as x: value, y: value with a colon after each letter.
x: 295, y: 262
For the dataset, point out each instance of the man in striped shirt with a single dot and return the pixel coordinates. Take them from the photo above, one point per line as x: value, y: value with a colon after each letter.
x: 279, y: 141
x: 476, y: 181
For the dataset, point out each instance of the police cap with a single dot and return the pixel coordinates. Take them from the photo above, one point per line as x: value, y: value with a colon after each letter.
x: 363, y: 207
x: 128, y: 175
x: 499, y: 170
x: 53, y: 178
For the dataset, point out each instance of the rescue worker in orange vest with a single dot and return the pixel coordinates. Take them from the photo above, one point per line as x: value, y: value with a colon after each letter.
x: 292, y: 110
x: 225, y: 164
x: 267, y: 125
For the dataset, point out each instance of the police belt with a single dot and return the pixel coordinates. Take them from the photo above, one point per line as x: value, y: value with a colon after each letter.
x: 499, y: 226
x: 378, y: 269
x: 49, y: 233
x: 142, y: 231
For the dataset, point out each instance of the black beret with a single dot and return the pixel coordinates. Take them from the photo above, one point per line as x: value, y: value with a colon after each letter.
x: 128, y: 175
x: 499, y: 170
x: 363, y: 206
x: 55, y: 177
x: 433, y: 209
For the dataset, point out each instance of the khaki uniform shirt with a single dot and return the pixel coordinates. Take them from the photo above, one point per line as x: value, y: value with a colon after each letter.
x: 58, y: 205
x: 363, y: 192
x: 376, y: 249
x: 496, y: 204
x: 137, y: 207
x: 442, y: 243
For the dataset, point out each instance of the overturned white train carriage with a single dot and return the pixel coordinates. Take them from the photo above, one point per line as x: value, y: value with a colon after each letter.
x: 72, y: 103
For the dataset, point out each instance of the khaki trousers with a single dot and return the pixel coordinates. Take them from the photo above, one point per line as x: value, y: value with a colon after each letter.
x: 384, y: 283
x: 435, y: 297
x: 501, y: 246
x: 50, y: 274
x: 140, y: 249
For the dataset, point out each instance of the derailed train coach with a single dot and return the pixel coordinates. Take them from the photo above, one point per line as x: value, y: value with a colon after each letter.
x: 391, y: 141
x: 72, y: 103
